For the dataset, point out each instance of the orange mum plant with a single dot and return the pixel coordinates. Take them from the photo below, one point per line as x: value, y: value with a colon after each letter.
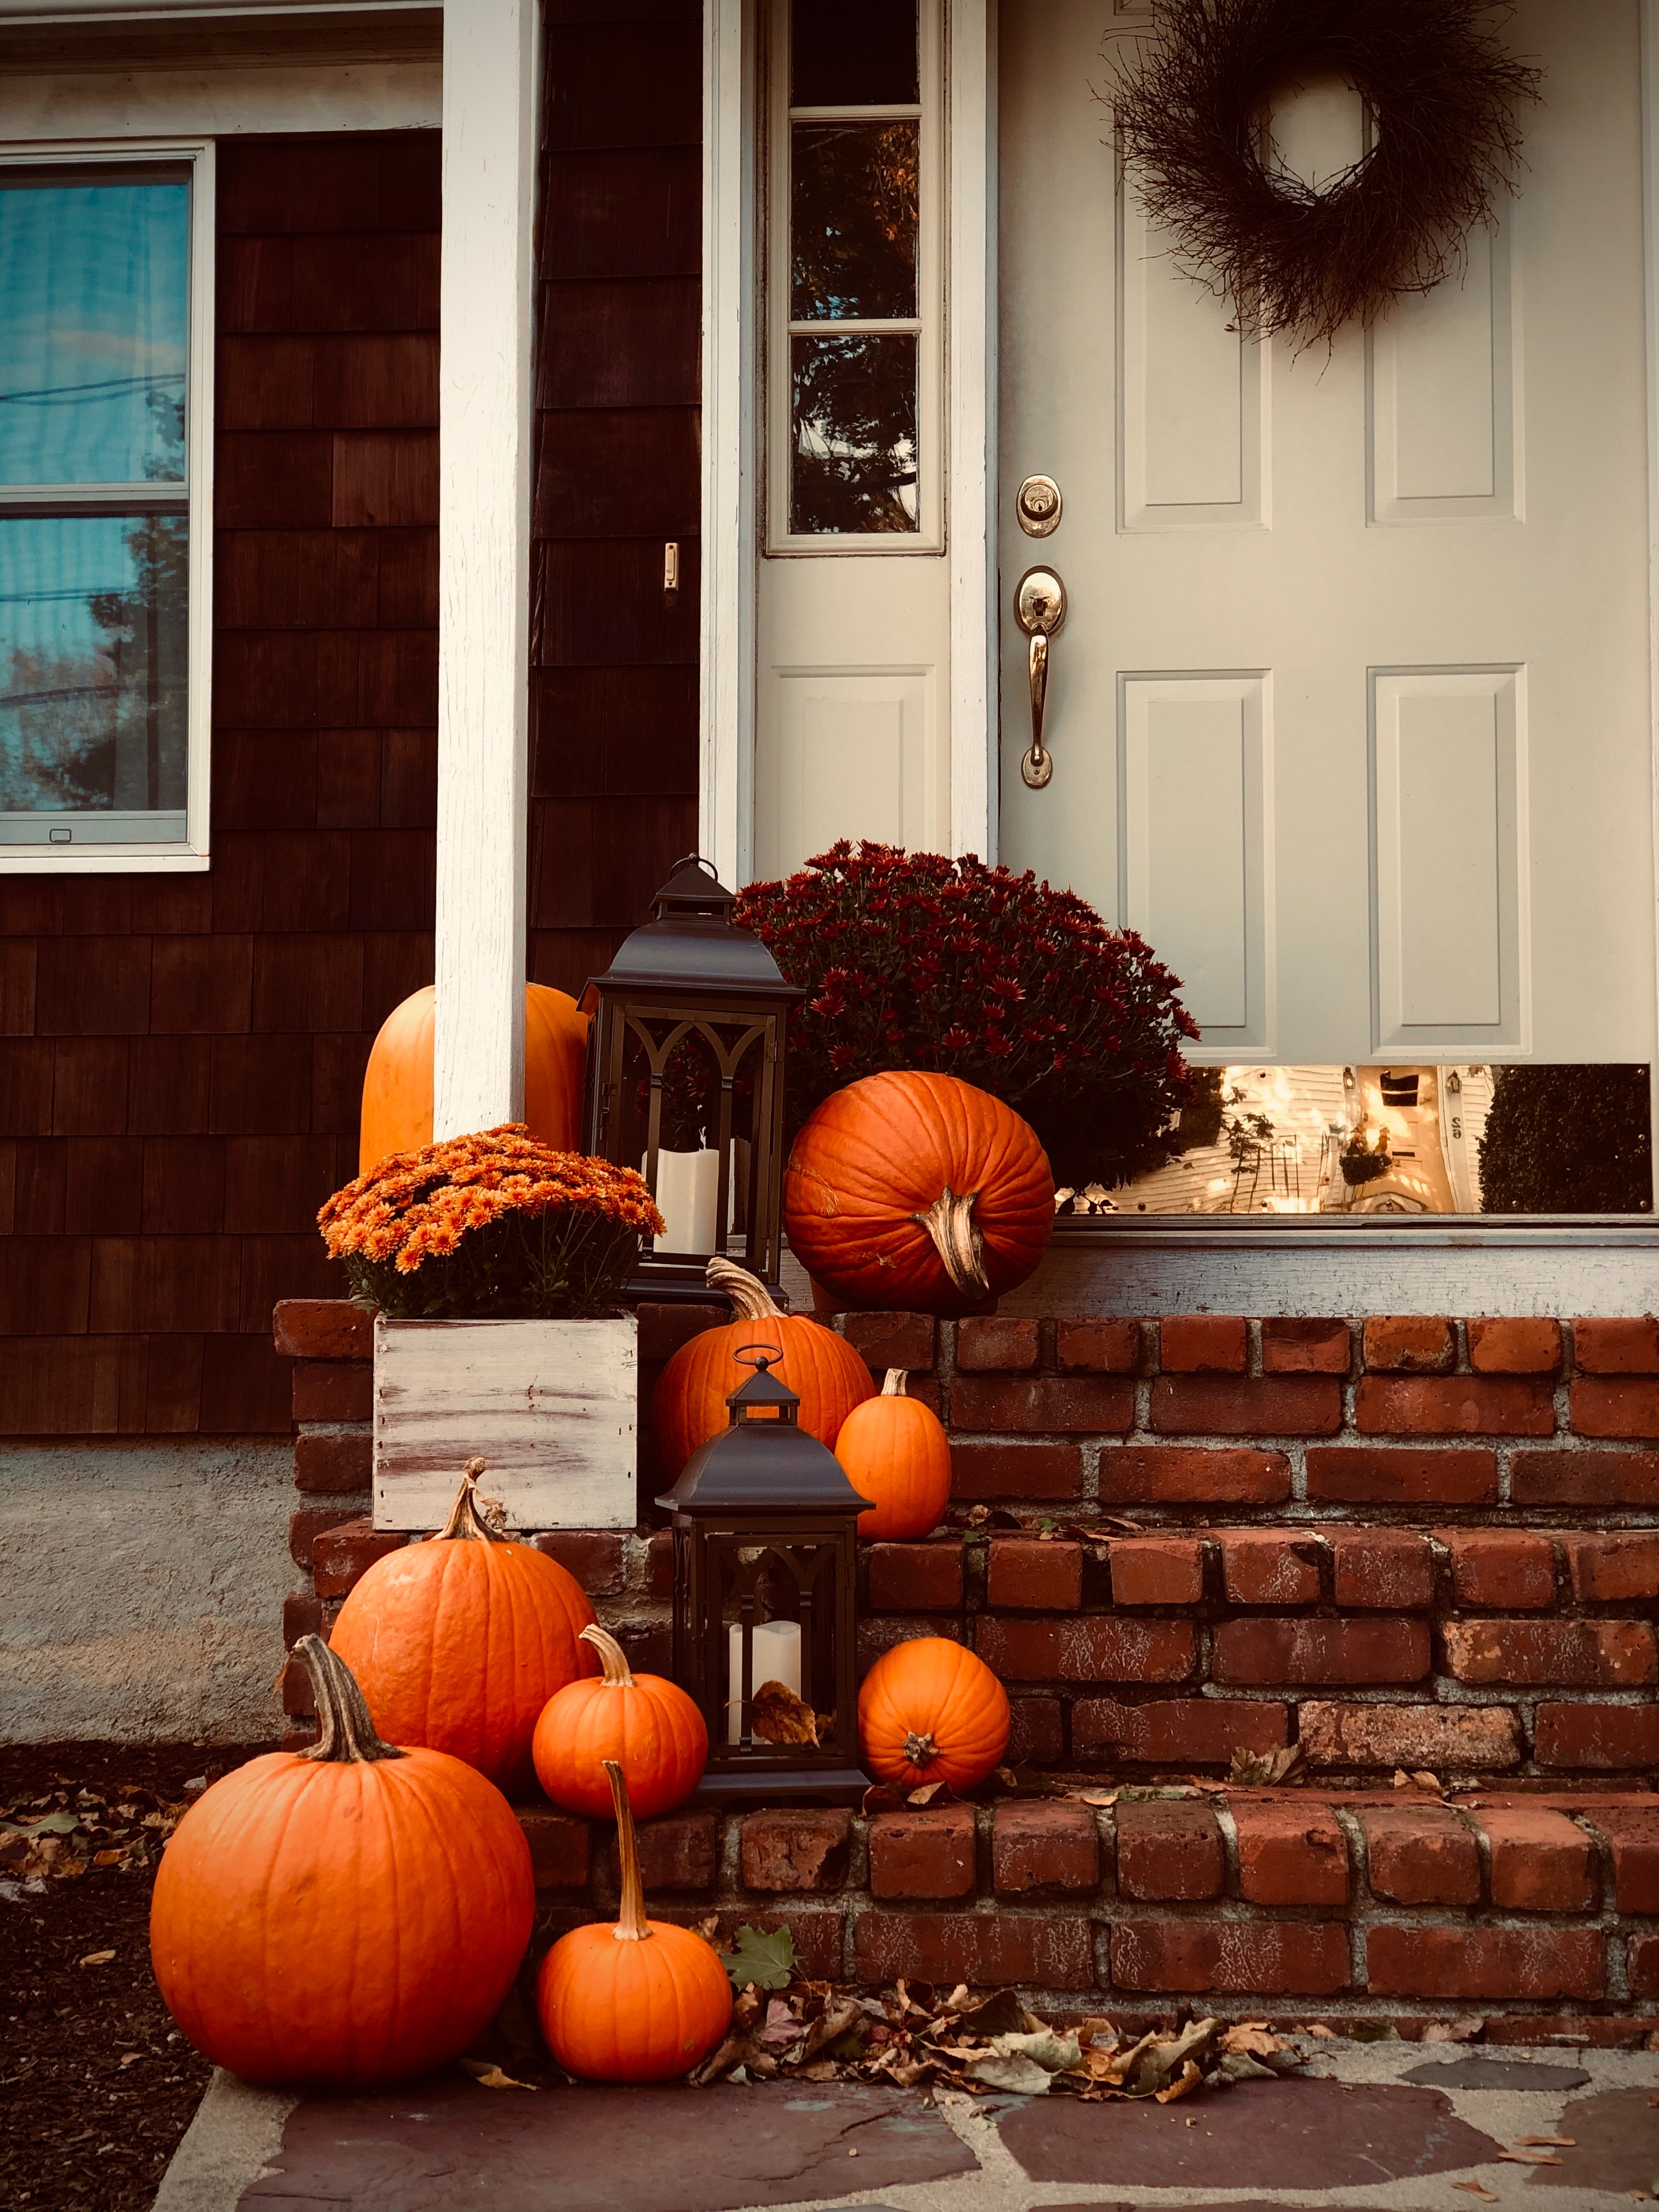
x: 495, y: 1226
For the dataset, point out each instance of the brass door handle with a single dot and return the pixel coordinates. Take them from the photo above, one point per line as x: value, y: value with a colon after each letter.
x: 1040, y: 610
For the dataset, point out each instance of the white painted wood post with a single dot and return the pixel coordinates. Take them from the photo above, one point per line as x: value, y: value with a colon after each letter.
x: 487, y: 312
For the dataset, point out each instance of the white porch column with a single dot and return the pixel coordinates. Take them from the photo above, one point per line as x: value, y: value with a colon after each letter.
x: 486, y: 308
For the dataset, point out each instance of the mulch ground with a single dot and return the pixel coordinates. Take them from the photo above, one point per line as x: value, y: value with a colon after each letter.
x: 96, y: 2084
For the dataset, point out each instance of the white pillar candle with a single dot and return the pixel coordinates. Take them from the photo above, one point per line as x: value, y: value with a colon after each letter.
x: 774, y: 1656
x: 687, y: 1185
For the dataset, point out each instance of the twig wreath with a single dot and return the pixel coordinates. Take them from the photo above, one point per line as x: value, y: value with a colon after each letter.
x: 1441, y: 96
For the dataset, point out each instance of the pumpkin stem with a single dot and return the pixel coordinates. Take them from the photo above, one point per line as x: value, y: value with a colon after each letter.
x: 920, y: 1749
x: 345, y: 1732
x: 632, y: 1926
x: 950, y: 1222
x: 894, y: 1385
x: 472, y: 1516
x: 612, y: 1658
x: 750, y: 1299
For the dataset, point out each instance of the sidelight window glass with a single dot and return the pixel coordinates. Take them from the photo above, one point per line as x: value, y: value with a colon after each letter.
x: 96, y: 487
x: 855, y: 361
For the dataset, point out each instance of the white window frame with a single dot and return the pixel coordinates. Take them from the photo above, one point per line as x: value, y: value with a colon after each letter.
x: 191, y: 854
x: 927, y: 324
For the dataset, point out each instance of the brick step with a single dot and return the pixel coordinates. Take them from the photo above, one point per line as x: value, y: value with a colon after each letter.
x: 1303, y: 1903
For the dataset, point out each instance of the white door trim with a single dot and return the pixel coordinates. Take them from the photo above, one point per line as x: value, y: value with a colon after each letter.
x: 730, y: 439
x: 727, y: 674
x: 971, y: 360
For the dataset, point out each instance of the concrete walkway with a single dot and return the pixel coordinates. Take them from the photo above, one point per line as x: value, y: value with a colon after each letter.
x: 1405, y: 2126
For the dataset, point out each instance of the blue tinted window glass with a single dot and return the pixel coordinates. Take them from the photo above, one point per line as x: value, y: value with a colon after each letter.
x: 95, y: 282
x: 94, y: 666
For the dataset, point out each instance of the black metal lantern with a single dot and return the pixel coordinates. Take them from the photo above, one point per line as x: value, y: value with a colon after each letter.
x: 765, y: 1558
x: 685, y: 1082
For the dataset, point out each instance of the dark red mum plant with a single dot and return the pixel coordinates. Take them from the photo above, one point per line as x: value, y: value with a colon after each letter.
x: 914, y: 960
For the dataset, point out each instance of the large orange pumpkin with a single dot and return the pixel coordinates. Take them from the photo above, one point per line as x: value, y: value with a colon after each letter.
x: 460, y: 1641
x: 895, y: 1449
x: 822, y: 1370
x: 398, y: 1082
x: 640, y: 2001
x: 349, y: 1914
x: 918, y: 1192
x: 931, y: 1710
x: 648, y: 1724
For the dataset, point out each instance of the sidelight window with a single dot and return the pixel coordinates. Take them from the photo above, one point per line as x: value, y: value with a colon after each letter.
x: 854, y: 254
x: 103, y: 707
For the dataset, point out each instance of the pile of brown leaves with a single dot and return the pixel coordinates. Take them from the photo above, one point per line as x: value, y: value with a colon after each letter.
x: 816, y: 2032
x: 67, y: 1829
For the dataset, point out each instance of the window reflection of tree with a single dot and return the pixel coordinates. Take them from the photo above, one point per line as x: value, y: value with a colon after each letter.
x: 855, y: 434
x: 854, y: 220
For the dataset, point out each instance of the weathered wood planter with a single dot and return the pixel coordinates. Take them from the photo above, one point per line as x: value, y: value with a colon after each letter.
x: 551, y: 1406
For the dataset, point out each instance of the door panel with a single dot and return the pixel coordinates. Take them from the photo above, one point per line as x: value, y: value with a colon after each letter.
x: 1428, y: 549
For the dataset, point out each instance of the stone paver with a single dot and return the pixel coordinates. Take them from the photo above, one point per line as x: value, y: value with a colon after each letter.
x: 1276, y: 2134
x: 1387, y: 2127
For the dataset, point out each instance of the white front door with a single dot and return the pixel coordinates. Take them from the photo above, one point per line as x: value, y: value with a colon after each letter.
x: 1350, y: 713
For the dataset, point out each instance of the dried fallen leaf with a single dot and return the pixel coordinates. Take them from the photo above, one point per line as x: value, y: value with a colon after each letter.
x: 1529, y: 2157
x: 926, y: 1793
x: 489, y: 2075
x: 1100, y: 1799
x: 1256, y: 1770
x: 879, y: 1798
x: 778, y: 1716
x: 1189, y: 2080
x: 1318, y: 2027
x: 1475, y: 2189
x: 1561, y: 2142
x: 1420, y: 1780
x: 95, y: 1959
x: 1464, y: 2029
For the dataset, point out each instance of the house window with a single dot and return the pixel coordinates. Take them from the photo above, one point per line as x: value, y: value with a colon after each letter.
x: 103, y: 674
x: 855, y: 294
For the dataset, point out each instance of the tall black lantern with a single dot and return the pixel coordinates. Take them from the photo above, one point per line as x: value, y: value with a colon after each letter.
x: 765, y: 1564
x: 685, y: 1082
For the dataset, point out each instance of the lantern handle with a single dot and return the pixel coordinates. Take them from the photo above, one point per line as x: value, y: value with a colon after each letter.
x: 757, y: 1355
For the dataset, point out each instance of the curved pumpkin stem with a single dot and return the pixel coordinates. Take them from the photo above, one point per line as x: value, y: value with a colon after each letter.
x: 894, y: 1385
x: 345, y: 1732
x: 632, y: 1926
x: 612, y: 1658
x: 470, y: 1516
x: 950, y: 1222
x: 920, y: 1750
x: 750, y: 1299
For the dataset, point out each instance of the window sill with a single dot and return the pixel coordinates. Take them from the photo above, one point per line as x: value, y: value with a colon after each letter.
x: 45, y: 860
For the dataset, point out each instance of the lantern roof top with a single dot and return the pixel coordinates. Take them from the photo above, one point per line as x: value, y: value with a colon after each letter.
x: 764, y: 1462
x: 691, y: 945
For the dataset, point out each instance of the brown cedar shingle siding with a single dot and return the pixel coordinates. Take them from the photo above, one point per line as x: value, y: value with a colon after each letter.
x: 183, y: 1056
x: 614, y: 690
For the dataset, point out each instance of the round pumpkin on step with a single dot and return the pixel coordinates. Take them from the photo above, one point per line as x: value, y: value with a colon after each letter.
x: 919, y: 1193
x: 459, y: 1642
x: 931, y: 1710
x: 648, y: 1724
x: 281, y: 1927
x: 396, y: 1115
x: 638, y: 2001
x: 823, y: 1371
x: 895, y: 1450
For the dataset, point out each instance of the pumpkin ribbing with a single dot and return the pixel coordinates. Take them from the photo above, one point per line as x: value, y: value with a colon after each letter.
x: 645, y: 1723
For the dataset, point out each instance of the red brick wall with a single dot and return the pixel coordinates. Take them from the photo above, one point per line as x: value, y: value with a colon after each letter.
x: 183, y: 1054
x: 1408, y: 1543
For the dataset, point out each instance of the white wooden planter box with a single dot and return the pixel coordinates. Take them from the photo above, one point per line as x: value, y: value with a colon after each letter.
x: 550, y: 1406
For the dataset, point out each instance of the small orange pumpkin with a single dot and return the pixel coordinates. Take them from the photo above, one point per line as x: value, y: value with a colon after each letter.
x: 640, y: 2001
x: 281, y: 1928
x: 646, y: 1724
x: 459, y: 1642
x: 931, y: 1710
x: 918, y: 1192
x: 895, y: 1449
x: 397, y: 1115
x: 823, y: 1371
